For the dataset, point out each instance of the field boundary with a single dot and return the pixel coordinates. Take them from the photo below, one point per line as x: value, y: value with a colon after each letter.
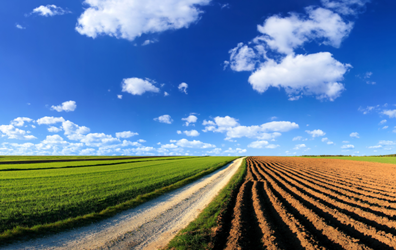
x: 26, y: 233
x: 209, y: 225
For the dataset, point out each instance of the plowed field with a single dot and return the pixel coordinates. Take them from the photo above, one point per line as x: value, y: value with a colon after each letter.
x: 300, y: 203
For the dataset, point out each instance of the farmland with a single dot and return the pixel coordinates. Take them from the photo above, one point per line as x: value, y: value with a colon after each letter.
x: 304, y: 203
x: 42, y: 197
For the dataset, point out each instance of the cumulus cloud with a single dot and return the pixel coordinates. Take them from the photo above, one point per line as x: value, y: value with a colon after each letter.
x: 354, y: 134
x: 297, y: 138
x: 284, y: 34
x: 99, y: 139
x: 166, y: 93
x: 315, y: 133
x: 385, y: 127
x: 347, y: 146
x: 119, y: 96
x: 214, y: 151
x: 190, y: 119
x: 15, y: 133
x: 49, y: 10
x: 262, y: 144
x: 242, y: 58
x: 382, y: 122
x: 128, y: 19
x: 126, y: 134
x: 137, y: 86
x: 299, y: 146
x: 184, y: 143
x: 164, y: 119
x: 53, y: 129
x: 345, y: 7
x: 191, y: 133
x: 74, y: 131
x: 65, y: 106
x: 387, y: 143
x: 235, y: 151
x: 18, y: 26
x: 20, y: 121
x: 390, y: 113
x: 314, y: 74
x: 183, y: 87
x: 49, y: 120
x: 377, y: 146
x: 233, y: 129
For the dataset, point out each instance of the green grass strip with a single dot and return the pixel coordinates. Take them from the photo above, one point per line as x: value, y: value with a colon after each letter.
x: 199, y: 233
x: 26, y: 233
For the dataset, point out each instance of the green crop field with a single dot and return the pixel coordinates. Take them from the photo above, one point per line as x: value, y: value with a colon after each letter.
x: 384, y: 159
x: 33, y: 196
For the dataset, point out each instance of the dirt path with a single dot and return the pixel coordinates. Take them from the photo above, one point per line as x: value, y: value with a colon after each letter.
x: 148, y: 226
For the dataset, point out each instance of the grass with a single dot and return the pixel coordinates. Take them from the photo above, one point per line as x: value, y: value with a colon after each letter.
x: 391, y: 160
x: 199, y: 233
x: 36, y: 202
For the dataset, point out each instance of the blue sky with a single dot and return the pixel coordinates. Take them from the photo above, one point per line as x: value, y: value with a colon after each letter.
x: 196, y: 77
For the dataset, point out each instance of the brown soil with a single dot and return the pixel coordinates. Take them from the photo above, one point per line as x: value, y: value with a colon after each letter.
x: 304, y: 203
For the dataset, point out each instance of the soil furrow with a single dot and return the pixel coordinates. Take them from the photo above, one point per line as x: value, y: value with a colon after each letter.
x: 344, y: 177
x: 385, y: 215
x: 245, y: 232
x: 353, y: 186
x: 365, y: 233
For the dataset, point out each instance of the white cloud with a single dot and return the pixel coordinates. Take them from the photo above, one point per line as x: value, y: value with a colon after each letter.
x: 164, y: 119
x: 184, y: 143
x: 88, y: 151
x: 49, y: 120
x: 315, y: 74
x: 137, y: 86
x: 49, y: 10
x: 387, y: 143
x: 15, y: 133
x: 284, y: 34
x: 183, y: 87
x: 147, y: 42
x: 315, y: 133
x: 119, y: 96
x: 53, y: 129
x: 235, y: 151
x: 73, y: 131
x: 231, y: 127
x: 141, y: 140
x: 330, y: 143
x: 297, y: 138
x: 20, y: 121
x: 65, y: 106
x: 354, y: 134
x: 299, y: 146
x: 377, y: 146
x: 179, y: 132
x: 258, y: 144
x: 390, y: 113
x: 98, y: 139
x: 214, y: 151
x: 347, y: 146
x: 125, y: 134
x: 242, y: 58
x: 325, y: 139
x: 166, y: 93
x: 128, y: 19
x: 385, y: 127
x: 345, y: 7
x: 382, y: 122
x: 191, y: 133
x: 345, y: 141
x: 190, y: 119
x: 19, y: 27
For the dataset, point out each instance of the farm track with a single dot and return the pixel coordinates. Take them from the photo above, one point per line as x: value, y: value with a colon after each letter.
x: 297, y: 203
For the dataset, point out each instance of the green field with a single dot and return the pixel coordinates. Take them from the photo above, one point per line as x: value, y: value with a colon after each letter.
x: 51, y: 196
x: 384, y: 159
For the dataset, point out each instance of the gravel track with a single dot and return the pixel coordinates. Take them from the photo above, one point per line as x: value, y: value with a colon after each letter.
x: 149, y: 226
